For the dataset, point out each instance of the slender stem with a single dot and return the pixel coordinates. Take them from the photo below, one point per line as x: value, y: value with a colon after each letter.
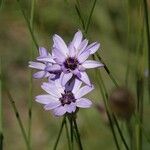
x: 120, y: 133
x: 107, y: 70
x: 107, y: 111
x: 18, y: 118
x: 71, y: 131
x: 31, y: 79
x: 78, y: 134
x: 78, y: 10
x: 148, y: 41
x: 90, y: 16
x: 28, y: 24
x: 60, y: 132
x: 1, y: 4
x: 1, y: 115
x: 67, y: 134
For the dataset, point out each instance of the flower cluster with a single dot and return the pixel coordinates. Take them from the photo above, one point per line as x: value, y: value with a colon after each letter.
x: 65, y: 69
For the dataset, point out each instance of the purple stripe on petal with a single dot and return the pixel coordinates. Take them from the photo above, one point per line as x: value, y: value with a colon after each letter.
x: 83, y: 91
x: 59, y: 111
x: 52, y: 105
x: 45, y: 99
x: 84, y: 77
x: 92, y: 64
x: 39, y: 74
x: 83, y: 103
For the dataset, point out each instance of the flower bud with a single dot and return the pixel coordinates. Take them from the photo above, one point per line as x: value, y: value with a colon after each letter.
x: 122, y: 103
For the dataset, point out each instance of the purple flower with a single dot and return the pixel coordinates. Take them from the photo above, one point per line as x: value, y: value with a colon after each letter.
x: 72, y: 59
x: 62, y: 100
x: 45, y: 60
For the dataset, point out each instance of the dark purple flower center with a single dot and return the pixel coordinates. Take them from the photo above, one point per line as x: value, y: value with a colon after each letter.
x: 71, y: 63
x: 67, y: 98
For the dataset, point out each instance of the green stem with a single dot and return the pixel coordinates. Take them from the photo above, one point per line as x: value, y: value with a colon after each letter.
x: 107, y: 70
x: 1, y: 115
x: 28, y: 24
x: 120, y: 133
x: 67, y: 134
x: 78, y: 134
x: 18, y: 118
x: 148, y: 41
x: 90, y: 16
x: 108, y: 113
x: 31, y: 79
x: 78, y: 10
x: 60, y: 132
x: 71, y: 131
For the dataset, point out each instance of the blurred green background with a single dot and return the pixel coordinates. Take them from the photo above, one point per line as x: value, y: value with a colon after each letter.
x: 115, y: 24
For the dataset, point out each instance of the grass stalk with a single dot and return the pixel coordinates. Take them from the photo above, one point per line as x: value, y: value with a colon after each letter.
x: 60, y: 132
x: 107, y: 111
x: 148, y: 40
x: 78, y: 10
x: 28, y: 24
x: 90, y: 16
x: 107, y: 70
x: 78, y: 134
x: 31, y: 79
x: 120, y: 132
x: 1, y: 113
x: 67, y: 135
x: 12, y: 102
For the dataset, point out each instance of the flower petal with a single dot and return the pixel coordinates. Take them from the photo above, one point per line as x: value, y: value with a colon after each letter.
x: 39, y: 74
x: 77, y: 39
x: 43, y: 51
x: 52, y: 105
x: 37, y: 65
x: 70, y: 108
x: 92, y: 64
x: 65, y: 77
x: 93, y: 47
x: 77, y: 73
x: 45, y: 99
x: 60, y: 45
x: 53, y: 68
x: 82, y: 46
x: 59, y: 111
x: 59, y: 86
x: 83, y: 56
x: 83, y: 103
x: 83, y: 91
x: 59, y: 57
x: 51, y: 89
x: 84, y: 77
x: 46, y: 59
x: 76, y: 86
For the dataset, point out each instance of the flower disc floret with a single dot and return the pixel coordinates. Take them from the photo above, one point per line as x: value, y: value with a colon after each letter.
x: 71, y: 63
x: 67, y: 98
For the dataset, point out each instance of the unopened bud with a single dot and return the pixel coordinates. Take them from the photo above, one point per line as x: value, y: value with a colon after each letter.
x: 122, y: 103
